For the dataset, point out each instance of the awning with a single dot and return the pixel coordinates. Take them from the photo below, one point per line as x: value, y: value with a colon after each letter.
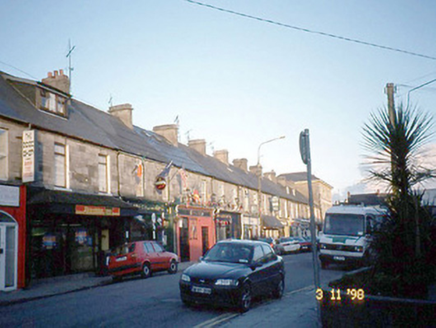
x: 56, y: 201
x: 271, y: 222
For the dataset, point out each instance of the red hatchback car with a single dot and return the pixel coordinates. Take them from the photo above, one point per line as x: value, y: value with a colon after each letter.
x: 144, y: 257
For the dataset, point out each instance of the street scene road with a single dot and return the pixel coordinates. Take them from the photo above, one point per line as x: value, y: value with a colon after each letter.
x: 155, y: 302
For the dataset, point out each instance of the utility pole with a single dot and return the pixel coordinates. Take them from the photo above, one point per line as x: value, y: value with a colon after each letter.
x: 390, y: 90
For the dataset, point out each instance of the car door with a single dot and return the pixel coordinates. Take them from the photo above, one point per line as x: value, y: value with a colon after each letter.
x: 124, y: 259
x: 151, y: 255
x: 271, y: 268
x: 162, y: 257
x: 257, y: 276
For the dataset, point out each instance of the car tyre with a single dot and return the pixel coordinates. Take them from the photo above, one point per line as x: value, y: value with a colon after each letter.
x: 280, y: 288
x: 324, y: 265
x: 245, y: 298
x: 173, y: 267
x: 146, y: 271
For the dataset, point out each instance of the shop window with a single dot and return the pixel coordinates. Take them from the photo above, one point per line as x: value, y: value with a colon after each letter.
x: 103, y: 173
x: 60, y: 166
x: 3, y: 154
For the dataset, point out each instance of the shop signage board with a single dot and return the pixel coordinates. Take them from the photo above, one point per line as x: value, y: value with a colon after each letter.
x: 97, y: 210
x: 29, y: 155
x: 9, y: 196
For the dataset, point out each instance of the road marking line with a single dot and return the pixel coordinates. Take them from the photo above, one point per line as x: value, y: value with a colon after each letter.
x: 217, y: 320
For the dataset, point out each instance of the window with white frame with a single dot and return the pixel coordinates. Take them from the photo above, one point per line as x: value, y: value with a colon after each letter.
x: 60, y: 165
x: 53, y: 103
x: 103, y: 173
x: 3, y: 154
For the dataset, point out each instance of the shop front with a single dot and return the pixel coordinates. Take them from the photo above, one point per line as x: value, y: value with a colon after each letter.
x: 196, y: 232
x: 149, y: 222
x: 250, y: 227
x: 272, y: 226
x: 12, y: 237
x: 228, y: 225
x: 70, y: 232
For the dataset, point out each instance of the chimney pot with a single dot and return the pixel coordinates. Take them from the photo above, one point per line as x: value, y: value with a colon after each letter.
x: 61, y: 72
x: 60, y: 82
x: 49, y: 74
x: 55, y: 73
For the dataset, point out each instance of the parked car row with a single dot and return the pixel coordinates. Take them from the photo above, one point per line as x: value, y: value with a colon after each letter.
x: 286, y: 245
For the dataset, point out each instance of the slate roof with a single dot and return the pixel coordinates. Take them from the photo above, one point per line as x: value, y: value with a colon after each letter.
x: 297, y: 176
x: 91, y: 124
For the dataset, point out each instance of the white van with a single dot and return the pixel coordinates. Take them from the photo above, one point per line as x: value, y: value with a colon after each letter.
x: 347, y: 233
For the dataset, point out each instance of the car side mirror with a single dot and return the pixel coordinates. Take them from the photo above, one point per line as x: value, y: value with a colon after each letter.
x: 255, y: 265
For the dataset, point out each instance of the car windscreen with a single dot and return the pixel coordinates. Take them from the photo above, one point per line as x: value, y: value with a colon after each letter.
x: 344, y: 224
x: 228, y: 252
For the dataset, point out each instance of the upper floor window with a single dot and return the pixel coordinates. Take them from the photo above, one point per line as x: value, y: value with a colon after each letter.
x: 3, y: 154
x: 53, y: 102
x: 103, y: 173
x: 60, y: 165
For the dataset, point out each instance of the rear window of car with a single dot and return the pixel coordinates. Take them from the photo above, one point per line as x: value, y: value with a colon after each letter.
x: 124, y: 249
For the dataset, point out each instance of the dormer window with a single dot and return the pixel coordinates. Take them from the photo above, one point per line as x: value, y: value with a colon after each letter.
x: 54, y: 103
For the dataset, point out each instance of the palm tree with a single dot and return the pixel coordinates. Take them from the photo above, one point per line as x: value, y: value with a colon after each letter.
x: 395, y: 144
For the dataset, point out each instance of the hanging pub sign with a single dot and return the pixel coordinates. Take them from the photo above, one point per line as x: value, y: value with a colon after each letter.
x: 161, y: 179
x: 160, y: 183
x: 28, y: 154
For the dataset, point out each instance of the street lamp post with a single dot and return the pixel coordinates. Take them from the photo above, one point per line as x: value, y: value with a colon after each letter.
x: 259, y: 182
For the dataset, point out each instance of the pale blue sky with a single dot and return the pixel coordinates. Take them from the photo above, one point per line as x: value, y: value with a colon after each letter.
x: 234, y: 81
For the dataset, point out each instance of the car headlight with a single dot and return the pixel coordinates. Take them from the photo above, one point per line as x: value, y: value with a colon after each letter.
x: 358, y: 249
x: 323, y: 246
x: 186, y: 278
x: 227, y: 282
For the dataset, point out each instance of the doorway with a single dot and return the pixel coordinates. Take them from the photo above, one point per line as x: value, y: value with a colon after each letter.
x: 205, y: 239
x: 8, y: 252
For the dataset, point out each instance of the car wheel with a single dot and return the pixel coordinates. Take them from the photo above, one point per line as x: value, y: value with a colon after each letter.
x: 245, y: 298
x: 173, y: 267
x: 146, y: 271
x: 280, y: 288
x: 186, y: 303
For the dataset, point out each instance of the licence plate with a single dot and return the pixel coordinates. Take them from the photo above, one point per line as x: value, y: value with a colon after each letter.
x: 339, y: 258
x: 201, y: 290
x: 119, y: 259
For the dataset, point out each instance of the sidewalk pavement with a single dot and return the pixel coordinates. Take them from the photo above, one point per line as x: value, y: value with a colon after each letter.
x: 296, y: 309
x: 48, y: 287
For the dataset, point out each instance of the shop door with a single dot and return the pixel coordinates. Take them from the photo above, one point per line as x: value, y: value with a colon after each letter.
x: 184, y: 240
x: 8, y: 256
x: 205, y: 239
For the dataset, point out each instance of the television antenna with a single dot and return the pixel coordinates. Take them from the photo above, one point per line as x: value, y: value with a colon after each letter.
x: 69, y: 55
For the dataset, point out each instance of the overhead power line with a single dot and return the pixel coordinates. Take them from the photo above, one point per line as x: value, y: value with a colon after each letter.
x: 311, y: 31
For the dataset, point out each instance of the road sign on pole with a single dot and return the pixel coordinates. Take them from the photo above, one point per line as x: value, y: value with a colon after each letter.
x: 305, y: 156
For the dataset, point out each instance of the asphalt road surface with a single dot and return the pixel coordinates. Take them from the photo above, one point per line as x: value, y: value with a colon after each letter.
x: 152, y: 302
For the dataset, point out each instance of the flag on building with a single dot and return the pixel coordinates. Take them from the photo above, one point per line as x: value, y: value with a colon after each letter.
x: 184, y: 179
x: 161, y: 179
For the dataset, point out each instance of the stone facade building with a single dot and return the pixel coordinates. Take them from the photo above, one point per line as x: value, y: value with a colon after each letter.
x: 76, y: 181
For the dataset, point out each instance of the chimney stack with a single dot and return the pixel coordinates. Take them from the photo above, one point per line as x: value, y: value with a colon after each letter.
x: 169, y: 131
x: 222, y: 156
x: 124, y: 113
x: 198, y: 145
x: 58, y: 81
x: 241, y: 163
x: 271, y: 176
x: 256, y: 170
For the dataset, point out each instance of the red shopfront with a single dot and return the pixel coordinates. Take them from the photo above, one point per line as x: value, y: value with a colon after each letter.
x: 196, y: 232
x: 12, y: 237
